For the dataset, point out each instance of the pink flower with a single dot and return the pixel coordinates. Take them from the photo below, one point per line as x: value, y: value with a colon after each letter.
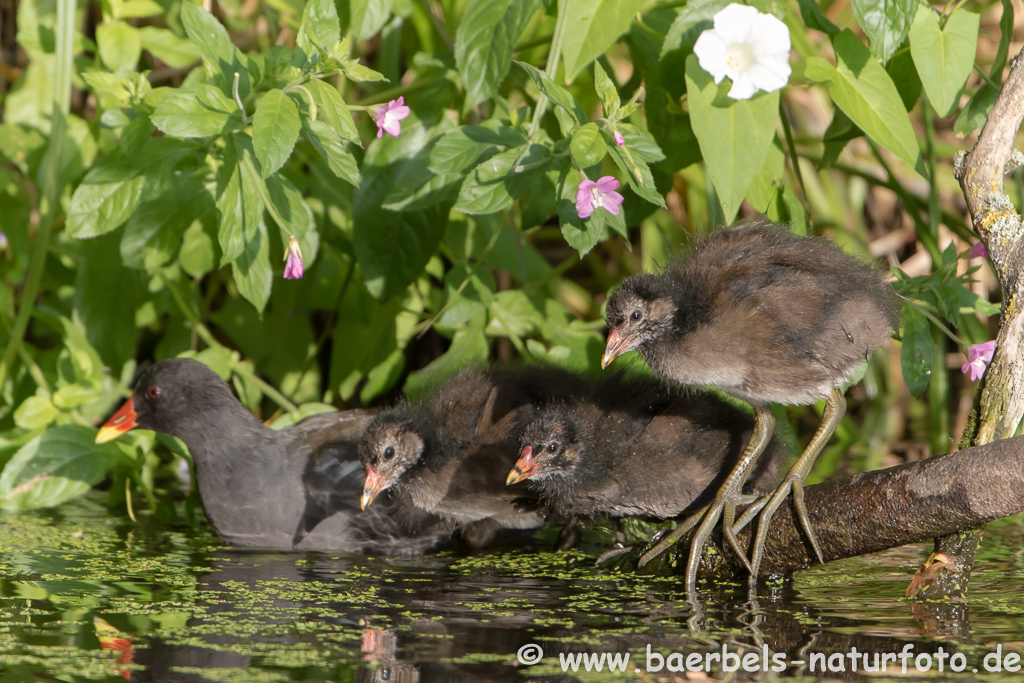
x: 293, y: 268
x: 619, y: 140
x: 978, y: 251
x: 3, y: 241
x: 388, y: 117
x: 592, y: 196
x: 978, y: 357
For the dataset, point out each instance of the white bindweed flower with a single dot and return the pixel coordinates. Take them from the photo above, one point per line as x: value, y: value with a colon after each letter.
x: 751, y: 48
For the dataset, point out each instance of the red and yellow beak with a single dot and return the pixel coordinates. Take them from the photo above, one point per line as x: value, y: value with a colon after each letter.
x: 373, y: 485
x: 525, y: 467
x: 119, y: 423
x: 616, y: 346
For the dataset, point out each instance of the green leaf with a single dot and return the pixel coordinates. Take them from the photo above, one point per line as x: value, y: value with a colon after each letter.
x: 593, y: 26
x: 865, y: 93
x: 607, y: 91
x: 298, y: 218
x: 105, y: 84
x: 556, y: 93
x: 588, y: 146
x: 640, y: 145
x: 58, y: 465
x: 332, y: 148
x: 458, y: 150
x: 886, y: 23
x: 154, y: 232
x: 468, y: 346
x: 216, y: 47
x: 239, y: 202
x: 917, y: 355
x: 196, y: 112
x: 734, y: 135
x: 118, y: 44
x: 484, y: 42
x: 275, y: 127
x: 581, y: 235
x: 368, y: 17
x: 695, y: 17
x: 173, y: 50
x: 320, y: 26
x: 135, y: 135
x: 974, y: 114
x: 763, y: 190
x: 252, y: 271
x: 334, y: 110
x: 944, y: 57
x: 109, y: 193
x: 35, y: 412
x: 139, y: 8
x: 197, y: 251
x: 493, y: 185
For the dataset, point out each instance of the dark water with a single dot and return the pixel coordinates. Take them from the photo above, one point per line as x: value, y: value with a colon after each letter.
x: 90, y: 597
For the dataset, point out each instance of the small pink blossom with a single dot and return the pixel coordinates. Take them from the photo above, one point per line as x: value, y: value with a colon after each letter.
x: 619, y: 140
x: 592, y: 196
x: 3, y: 241
x: 293, y: 267
x: 978, y: 251
x: 388, y: 117
x: 978, y: 358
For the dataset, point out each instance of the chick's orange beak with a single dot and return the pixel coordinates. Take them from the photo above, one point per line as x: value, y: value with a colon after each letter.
x: 119, y: 423
x: 525, y: 467
x: 373, y: 485
x: 616, y: 346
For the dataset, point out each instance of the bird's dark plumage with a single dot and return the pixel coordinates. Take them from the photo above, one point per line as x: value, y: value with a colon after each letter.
x: 760, y: 313
x: 638, y: 448
x: 449, y: 453
x: 296, y: 487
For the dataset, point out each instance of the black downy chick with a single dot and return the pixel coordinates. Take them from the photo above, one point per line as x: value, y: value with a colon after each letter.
x: 766, y: 316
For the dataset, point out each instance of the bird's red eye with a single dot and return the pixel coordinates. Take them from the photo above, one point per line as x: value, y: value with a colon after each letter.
x: 153, y: 392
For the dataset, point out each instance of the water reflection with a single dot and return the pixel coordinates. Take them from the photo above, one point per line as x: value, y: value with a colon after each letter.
x: 174, y: 610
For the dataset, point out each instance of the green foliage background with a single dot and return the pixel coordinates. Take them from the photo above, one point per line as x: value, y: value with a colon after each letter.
x: 157, y: 157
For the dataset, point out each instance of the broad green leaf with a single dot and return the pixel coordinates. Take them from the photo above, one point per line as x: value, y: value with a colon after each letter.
x: 218, y: 51
x: 109, y: 194
x: 637, y: 174
x: 734, y: 135
x: 606, y: 91
x: 240, y: 205
x: 197, y: 251
x: 153, y: 233
x: 593, y: 26
x: 368, y: 16
x: 469, y: 346
x: 467, y: 294
x: 556, y: 93
x: 640, y: 145
x: 333, y: 108
x: 917, y: 354
x: 35, y: 412
x: 494, y: 184
x: 484, y: 42
x: 320, y: 26
x: 886, y: 23
x: 135, y: 135
x: 139, y: 8
x: 58, y: 465
x: 944, y: 57
x: 197, y: 112
x: 105, y: 84
x: 118, y: 44
x: 275, y: 127
x: 865, y: 93
x: 974, y: 114
x: 588, y: 146
x: 332, y: 148
x: 169, y: 48
x: 458, y: 150
x: 252, y: 271
x: 764, y: 189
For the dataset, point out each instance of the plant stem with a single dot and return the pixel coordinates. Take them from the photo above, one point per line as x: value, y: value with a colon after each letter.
x: 65, y: 35
x: 795, y: 160
x: 552, y: 66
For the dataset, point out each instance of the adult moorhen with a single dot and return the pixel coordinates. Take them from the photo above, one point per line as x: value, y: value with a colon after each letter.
x: 296, y: 487
x: 596, y: 457
x: 766, y: 316
x: 449, y: 452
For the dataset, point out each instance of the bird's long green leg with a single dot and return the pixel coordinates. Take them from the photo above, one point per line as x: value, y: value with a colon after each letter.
x: 728, y: 495
x: 835, y: 408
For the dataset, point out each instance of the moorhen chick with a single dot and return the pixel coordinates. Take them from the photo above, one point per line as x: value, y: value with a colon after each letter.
x: 449, y: 453
x: 296, y: 487
x: 595, y: 457
x: 766, y: 316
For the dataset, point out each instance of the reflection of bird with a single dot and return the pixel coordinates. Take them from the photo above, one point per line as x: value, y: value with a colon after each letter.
x: 635, y: 448
x: 766, y: 316
x: 274, y: 489
x: 449, y: 453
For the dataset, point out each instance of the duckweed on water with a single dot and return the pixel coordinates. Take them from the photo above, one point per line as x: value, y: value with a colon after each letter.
x: 191, y: 609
